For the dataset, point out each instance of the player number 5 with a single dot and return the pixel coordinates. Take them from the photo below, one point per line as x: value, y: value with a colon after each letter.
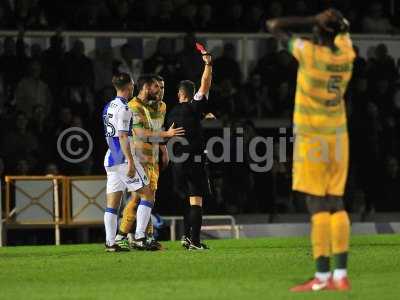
x: 333, y: 87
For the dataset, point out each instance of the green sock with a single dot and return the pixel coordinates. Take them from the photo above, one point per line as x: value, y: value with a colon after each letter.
x: 322, y: 264
x: 341, y: 260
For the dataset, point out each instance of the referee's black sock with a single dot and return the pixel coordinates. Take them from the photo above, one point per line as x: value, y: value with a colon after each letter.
x: 196, y: 218
x: 186, y: 223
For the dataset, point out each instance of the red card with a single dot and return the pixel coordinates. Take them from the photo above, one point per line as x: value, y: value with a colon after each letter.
x: 200, y: 48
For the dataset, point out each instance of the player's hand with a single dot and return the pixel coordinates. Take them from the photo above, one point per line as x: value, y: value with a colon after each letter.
x: 326, y: 17
x: 172, y: 131
x: 131, y: 169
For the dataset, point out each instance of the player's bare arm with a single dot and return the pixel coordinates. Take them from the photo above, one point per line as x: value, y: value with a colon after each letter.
x: 164, y: 156
x: 148, y: 134
x: 126, y: 149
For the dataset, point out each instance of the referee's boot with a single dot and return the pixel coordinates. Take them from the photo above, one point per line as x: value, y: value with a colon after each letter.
x: 198, y: 247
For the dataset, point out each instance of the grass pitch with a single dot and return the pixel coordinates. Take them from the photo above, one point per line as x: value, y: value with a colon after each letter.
x: 233, y: 269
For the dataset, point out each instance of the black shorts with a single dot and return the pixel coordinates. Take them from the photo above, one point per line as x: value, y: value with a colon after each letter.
x: 190, y: 179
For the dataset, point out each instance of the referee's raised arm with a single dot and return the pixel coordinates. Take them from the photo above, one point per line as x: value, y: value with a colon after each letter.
x: 207, y: 74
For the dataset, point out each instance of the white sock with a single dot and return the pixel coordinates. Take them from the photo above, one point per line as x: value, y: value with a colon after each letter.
x: 323, y: 276
x: 339, y: 274
x: 111, y: 225
x: 119, y: 237
x: 142, y: 218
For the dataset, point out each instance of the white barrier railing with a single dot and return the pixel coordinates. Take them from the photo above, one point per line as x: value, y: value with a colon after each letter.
x: 70, y: 201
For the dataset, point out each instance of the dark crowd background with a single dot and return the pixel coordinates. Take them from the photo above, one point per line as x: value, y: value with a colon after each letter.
x: 195, y: 15
x: 45, y: 91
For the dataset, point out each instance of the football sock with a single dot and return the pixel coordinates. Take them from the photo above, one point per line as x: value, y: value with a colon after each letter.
x: 196, y: 221
x: 142, y: 218
x: 110, y: 224
x: 320, y: 239
x: 339, y: 274
x: 340, y: 232
x: 129, y: 215
x: 323, y: 264
x: 186, y: 223
x: 150, y: 228
x: 323, y: 276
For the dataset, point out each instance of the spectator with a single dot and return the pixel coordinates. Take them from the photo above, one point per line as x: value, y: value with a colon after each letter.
x: 255, y: 101
x: 228, y: 99
x: 382, y: 95
x: 129, y: 64
x: 384, y: 64
x: 267, y: 65
x: 391, y: 193
x: 77, y: 122
x: 120, y: 11
x: 190, y: 60
x: 23, y: 167
x: 301, y: 9
x: 39, y: 124
x: 359, y: 64
x: 233, y: 17
x: 284, y: 96
x: 64, y: 121
x: 150, y: 12
x: 7, y: 14
x: 8, y: 67
x: 375, y: 21
x: 32, y: 91
x: 88, y: 16
x: 51, y: 169
x: 368, y: 154
x: 79, y: 99
x: 275, y: 10
x: 2, y: 171
x: 103, y: 68
x: 205, y: 22
x: 165, y: 18
x: 253, y: 18
x: 226, y: 66
x: 188, y: 17
x: 390, y: 136
x: 78, y: 68
x: 19, y: 142
x: 52, y: 63
x: 36, y: 52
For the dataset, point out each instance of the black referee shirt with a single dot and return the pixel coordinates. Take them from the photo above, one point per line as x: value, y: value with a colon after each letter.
x: 189, y: 115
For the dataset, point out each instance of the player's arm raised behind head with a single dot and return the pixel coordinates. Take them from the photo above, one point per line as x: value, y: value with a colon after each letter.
x: 280, y: 27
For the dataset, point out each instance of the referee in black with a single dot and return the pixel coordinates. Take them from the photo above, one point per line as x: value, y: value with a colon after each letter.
x: 189, y: 176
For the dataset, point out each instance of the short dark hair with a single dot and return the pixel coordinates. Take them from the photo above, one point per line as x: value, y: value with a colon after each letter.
x: 143, y: 80
x: 158, y: 78
x: 341, y: 25
x: 188, y: 87
x: 120, y: 80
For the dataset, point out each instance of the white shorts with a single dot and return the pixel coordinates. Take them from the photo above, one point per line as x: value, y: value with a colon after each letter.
x: 118, y: 181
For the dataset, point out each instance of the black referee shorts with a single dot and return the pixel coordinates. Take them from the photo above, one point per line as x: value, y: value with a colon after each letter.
x: 190, y: 179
